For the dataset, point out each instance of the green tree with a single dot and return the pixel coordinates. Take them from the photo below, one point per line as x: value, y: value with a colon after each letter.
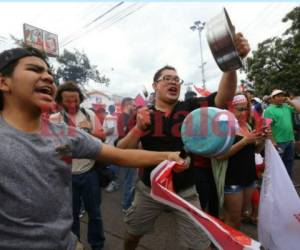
x: 72, y: 66
x: 276, y: 62
x: 77, y: 67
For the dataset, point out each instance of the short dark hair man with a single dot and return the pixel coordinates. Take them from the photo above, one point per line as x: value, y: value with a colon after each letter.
x: 162, y: 126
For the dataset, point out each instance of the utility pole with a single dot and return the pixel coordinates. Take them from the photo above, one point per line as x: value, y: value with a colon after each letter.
x: 198, y: 25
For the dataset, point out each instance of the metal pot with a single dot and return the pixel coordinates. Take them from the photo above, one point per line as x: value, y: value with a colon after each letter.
x: 220, y: 38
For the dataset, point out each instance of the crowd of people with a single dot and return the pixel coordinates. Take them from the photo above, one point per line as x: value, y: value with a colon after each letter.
x: 51, y: 160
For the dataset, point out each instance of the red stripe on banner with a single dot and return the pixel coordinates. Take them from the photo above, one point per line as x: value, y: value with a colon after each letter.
x: 202, y: 91
x: 222, y: 235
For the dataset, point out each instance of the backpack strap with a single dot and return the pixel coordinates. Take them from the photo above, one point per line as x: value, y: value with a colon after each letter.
x: 70, y: 122
x: 85, y: 113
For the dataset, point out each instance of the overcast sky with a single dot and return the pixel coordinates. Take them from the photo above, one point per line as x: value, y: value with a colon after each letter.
x: 135, y: 39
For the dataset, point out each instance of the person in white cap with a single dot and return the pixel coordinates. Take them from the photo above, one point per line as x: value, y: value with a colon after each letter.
x: 256, y: 104
x: 281, y: 111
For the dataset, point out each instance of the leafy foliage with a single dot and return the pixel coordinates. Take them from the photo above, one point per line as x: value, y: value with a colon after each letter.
x: 72, y: 66
x: 76, y: 67
x: 276, y: 62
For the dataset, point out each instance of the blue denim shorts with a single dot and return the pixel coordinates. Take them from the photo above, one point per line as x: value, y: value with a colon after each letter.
x: 231, y: 189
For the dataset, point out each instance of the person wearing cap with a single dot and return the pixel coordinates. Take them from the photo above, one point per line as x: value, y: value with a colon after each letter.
x: 240, y: 179
x: 36, y: 157
x: 257, y: 105
x: 281, y: 111
x: 160, y: 126
x: 249, y: 92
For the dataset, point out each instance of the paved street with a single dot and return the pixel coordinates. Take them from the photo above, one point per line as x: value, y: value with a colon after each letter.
x: 164, y: 237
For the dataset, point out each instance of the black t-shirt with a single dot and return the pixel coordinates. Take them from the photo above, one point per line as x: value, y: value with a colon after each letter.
x: 164, y: 135
x: 241, y: 166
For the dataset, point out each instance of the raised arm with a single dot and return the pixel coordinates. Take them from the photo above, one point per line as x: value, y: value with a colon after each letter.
x: 137, y: 158
x: 228, y: 83
x: 252, y: 138
x: 294, y: 104
x: 131, y: 140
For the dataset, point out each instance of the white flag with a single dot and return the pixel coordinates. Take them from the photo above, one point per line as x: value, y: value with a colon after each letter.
x: 279, y: 209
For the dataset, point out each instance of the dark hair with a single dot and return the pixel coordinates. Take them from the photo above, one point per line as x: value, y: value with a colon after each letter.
x: 291, y: 93
x: 9, y: 59
x: 158, y: 73
x: 9, y: 68
x: 126, y: 100
x: 68, y: 86
x: 189, y: 95
x: 111, y: 109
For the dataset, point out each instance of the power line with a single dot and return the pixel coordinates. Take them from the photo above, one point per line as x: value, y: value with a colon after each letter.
x: 81, y: 14
x: 256, y: 17
x: 93, y: 8
x: 69, y: 38
x: 60, y: 19
x: 111, y: 21
x: 122, y: 17
x: 105, y: 13
x: 264, y: 17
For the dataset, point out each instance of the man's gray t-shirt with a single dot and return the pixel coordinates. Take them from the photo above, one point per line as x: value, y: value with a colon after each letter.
x: 35, y: 185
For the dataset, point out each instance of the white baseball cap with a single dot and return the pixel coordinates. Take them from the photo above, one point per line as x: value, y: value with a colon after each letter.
x: 277, y: 92
x: 256, y: 99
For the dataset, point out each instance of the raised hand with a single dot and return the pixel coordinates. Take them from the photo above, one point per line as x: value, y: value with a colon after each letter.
x: 181, y: 164
x: 143, y: 119
x: 253, y: 137
x: 241, y: 44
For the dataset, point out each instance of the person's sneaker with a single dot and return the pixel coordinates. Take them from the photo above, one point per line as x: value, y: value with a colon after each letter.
x: 112, y: 186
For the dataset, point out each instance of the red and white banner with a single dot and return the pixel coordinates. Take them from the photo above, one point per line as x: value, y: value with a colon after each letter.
x: 279, y: 208
x: 222, y: 235
x: 202, y: 91
x: 139, y: 101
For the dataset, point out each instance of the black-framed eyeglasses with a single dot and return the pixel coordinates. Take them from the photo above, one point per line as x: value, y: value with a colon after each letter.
x: 168, y: 78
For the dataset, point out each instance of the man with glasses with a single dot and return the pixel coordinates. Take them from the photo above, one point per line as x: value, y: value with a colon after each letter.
x: 158, y: 128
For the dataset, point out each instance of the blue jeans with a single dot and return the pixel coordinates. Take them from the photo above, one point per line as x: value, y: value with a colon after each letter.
x: 234, y: 189
x: 115, y: 169
x: 128, y: 186
x: 287, y: 155
x: 86, y: 186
